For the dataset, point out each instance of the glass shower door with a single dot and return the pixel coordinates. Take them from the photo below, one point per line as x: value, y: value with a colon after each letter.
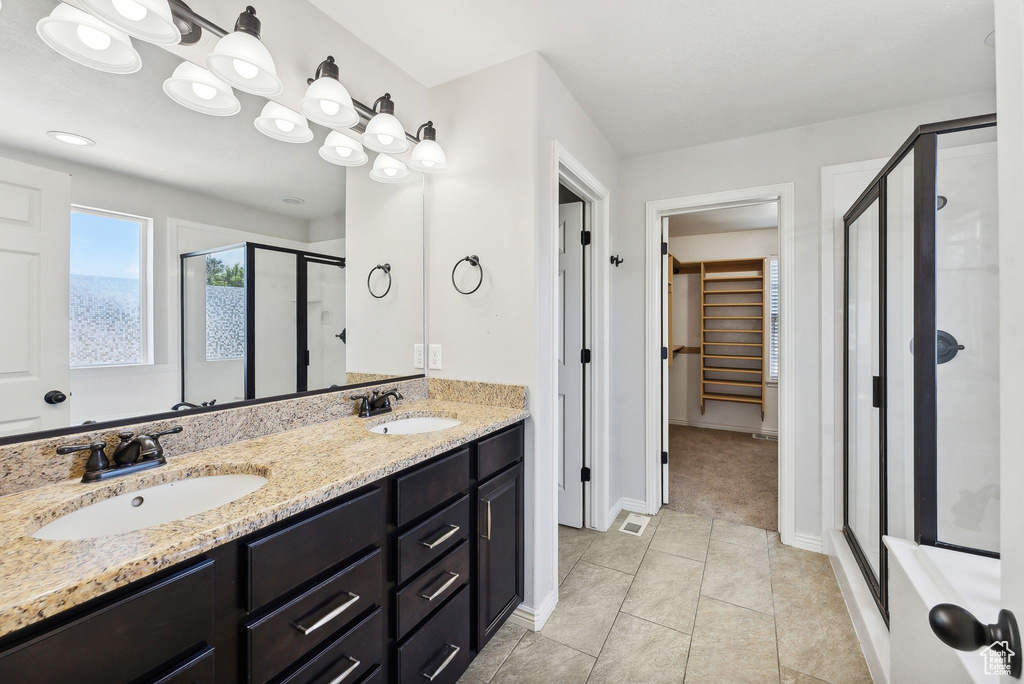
x: 325, y: 323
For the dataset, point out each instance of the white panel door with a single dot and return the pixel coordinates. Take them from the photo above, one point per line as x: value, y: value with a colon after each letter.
x: 664, y: 364
x: 570, y: 368
x: 35, y: 218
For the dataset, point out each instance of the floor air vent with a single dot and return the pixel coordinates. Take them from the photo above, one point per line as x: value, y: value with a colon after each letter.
x: 768, y: 438
x: 634, y: 524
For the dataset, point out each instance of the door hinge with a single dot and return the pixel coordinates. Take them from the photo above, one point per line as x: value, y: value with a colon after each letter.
x: 876, y: 392
x: 585, y: 474
x: 664, y: 353
x: 584, y: 356
x: 585, y: 238
x: 664, y: 458
x: 664, y: 249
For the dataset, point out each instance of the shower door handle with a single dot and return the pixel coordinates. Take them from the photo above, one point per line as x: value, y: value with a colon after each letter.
x: 876, y: 392
x: 959, y: 629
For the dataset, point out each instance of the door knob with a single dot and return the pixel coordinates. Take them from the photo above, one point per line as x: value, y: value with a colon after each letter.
x: 55, y: 397
x: 958, y: 628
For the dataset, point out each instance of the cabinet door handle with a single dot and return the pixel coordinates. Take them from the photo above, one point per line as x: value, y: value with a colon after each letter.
x: 346, y: 673
x: 306, y: 631
x: 443, y: 538
x: 440, y: 590
x: 453, y: 651
x: 488, y: 535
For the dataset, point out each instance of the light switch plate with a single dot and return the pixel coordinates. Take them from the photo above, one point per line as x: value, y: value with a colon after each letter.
x: 435, y: 357
x: 417, y: 356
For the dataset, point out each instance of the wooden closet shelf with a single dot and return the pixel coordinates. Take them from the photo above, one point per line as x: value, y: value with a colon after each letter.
x: 733, y: 318
x: 736, y: 383
x: 734, y: 304
x: 732, y: 356
x: 733, y: 279
x: 683, y: 349
x: 723, y: 330
x: 733, y: 344
x: 716, y: 369
x: 739, y: 398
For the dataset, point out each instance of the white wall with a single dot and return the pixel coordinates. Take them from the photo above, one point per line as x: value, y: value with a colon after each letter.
x: 684, y: 374
x: 793, y: 155
x: 498, y: 202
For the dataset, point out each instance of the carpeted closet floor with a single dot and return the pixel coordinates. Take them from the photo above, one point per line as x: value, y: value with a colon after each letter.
x: 726, y: 475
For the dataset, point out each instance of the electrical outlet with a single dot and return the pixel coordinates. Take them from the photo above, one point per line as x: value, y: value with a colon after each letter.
x: 417, y: 356
x: 435, y: 357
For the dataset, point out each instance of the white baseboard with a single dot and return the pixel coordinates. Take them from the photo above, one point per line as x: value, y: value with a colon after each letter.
x: 867, y: 621
x: 534, y: 619
x: 721, y: 426
x: 807, y: 542
x: 634, y: 506
x: 609, y: 517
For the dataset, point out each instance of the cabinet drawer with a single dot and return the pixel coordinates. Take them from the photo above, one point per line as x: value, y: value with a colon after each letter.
x: 284, y: 635
x: 432, y: 538
x: 494, y: 453
x: 285, y: 559
x: 346, y: 659
x: 429, y: 590
x: 438, y: 651
x: 125, y: 640
x: 431, y: 485
x: 375, y: 677
x: 197, y: 669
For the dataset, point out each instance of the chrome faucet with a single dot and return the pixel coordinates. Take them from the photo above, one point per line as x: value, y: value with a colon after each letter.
x: 132, y: 454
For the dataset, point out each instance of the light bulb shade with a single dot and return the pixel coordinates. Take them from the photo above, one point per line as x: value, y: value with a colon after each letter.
x: 385, y: 133
x: 83, y: 38
x: 428, y: 157
x: 328, y: 103
x: 148, y: 20
x: 387, y: 169
x: 281, y: 123
x: 194, y: 87
x: 243, y: 61
x: 342, y: 150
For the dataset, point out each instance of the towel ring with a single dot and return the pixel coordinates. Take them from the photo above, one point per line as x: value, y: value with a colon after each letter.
x: 387, y: 269
x: 475, y: 261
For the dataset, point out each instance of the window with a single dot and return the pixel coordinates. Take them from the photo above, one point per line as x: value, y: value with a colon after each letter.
x: 225, y: 305
x: 773, y: 315
x: 109, y: 289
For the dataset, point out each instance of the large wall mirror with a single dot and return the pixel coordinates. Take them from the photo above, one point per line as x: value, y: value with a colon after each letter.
x: 159, y: 259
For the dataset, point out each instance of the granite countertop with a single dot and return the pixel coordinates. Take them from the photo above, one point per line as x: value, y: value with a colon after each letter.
x: 305, y: 467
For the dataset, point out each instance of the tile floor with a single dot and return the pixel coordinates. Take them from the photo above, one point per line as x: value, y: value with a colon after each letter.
x: 693, y: 599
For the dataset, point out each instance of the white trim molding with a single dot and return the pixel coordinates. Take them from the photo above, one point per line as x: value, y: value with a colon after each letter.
x: 720, y: 426
x: 534, y: 619
x: 783, y: 193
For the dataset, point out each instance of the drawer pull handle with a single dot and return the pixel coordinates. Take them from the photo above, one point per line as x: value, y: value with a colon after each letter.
x: 444, y: 587
x: 327, y: 618
x: 453, y: 651
x: 351, y: 668
x: 488, y: 535
x: 443, y: 538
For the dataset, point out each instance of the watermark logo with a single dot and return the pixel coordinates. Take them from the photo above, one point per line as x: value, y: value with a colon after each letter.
x: 998, y: 658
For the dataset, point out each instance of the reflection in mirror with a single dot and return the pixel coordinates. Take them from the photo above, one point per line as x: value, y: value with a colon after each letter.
x: 153, y: 257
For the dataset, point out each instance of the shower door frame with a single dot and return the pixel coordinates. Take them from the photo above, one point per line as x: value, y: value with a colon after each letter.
x: 924, y: 144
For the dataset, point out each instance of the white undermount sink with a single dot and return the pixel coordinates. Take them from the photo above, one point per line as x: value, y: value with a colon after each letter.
x: 415, y: 426
x: 151, y: 506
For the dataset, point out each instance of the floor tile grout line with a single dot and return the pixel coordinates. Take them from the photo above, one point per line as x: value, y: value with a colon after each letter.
x: 775, y: 612
x: 514, y: 646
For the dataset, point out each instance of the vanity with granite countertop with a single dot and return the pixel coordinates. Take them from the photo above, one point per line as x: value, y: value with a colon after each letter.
x: 353, y: 556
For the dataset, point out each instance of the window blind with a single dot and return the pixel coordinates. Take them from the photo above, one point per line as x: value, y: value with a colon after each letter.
x: 773, y: 315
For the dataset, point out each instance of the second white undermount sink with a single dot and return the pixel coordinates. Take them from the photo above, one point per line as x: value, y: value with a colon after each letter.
x: 151, y: 506
x: 416, y: 425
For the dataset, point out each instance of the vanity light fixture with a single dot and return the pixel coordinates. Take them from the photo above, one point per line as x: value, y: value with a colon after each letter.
x: 281, y: 123
x: 71, y: 138
x: 384, y: 133
x: 243, y: 61
x: 327, y: 102
x: 387, y: 169
x: 83, y: 38
x: 194, y: 87
x: 342, y: 150
x: 148, y: 20
x: 427, y: 156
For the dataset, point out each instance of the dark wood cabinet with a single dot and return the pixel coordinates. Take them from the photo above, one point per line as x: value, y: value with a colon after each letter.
x: 403, y: 579
x: 499, y: 581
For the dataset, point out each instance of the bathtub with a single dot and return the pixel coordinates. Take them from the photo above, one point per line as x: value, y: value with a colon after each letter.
x: 919, y: 578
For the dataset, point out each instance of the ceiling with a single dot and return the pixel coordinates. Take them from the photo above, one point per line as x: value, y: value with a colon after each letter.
x: 141, y: 132
x: 724, y: 220
x: 659, y: 75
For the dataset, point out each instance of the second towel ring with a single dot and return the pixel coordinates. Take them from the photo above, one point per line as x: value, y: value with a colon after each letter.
x: 474, y: 260
x: 387, y: 269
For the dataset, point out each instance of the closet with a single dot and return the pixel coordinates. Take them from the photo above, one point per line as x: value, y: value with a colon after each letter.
x: 729, y: 327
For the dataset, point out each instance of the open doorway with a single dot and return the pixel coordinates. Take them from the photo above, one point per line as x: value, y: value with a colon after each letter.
x: 720, y: 378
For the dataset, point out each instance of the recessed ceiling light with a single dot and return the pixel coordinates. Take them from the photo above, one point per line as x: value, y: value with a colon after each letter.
x: 293, y: 200
x: 990, y: 39
x: 71, y: 138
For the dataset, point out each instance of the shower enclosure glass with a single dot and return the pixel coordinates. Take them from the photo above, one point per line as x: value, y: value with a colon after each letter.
x: 921, y: 421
